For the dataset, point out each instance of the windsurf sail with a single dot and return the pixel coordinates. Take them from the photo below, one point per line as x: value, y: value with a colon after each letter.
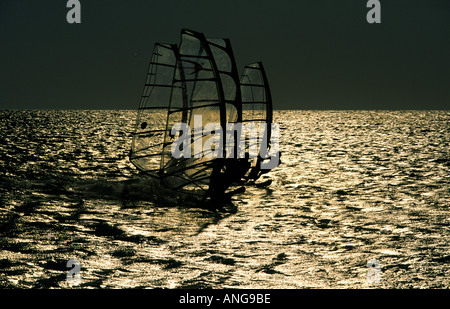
x: 257, y: 111
x: 159, y: 94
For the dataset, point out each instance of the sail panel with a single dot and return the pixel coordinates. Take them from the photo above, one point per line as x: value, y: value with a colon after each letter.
x: 151, y: 122
x: 223, y: 56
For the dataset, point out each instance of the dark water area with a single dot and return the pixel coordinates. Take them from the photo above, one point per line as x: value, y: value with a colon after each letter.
x: 353, y: 186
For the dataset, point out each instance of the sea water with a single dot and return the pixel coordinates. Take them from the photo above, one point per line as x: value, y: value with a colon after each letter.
x: 354, y: 187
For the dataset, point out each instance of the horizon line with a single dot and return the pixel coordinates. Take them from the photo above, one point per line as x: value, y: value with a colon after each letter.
x: 275, y: 109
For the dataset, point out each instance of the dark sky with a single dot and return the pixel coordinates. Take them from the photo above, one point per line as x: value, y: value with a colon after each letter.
x: 318, y: 54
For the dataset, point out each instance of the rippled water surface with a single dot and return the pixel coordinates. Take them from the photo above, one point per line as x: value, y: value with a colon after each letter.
x: 353, y: 186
